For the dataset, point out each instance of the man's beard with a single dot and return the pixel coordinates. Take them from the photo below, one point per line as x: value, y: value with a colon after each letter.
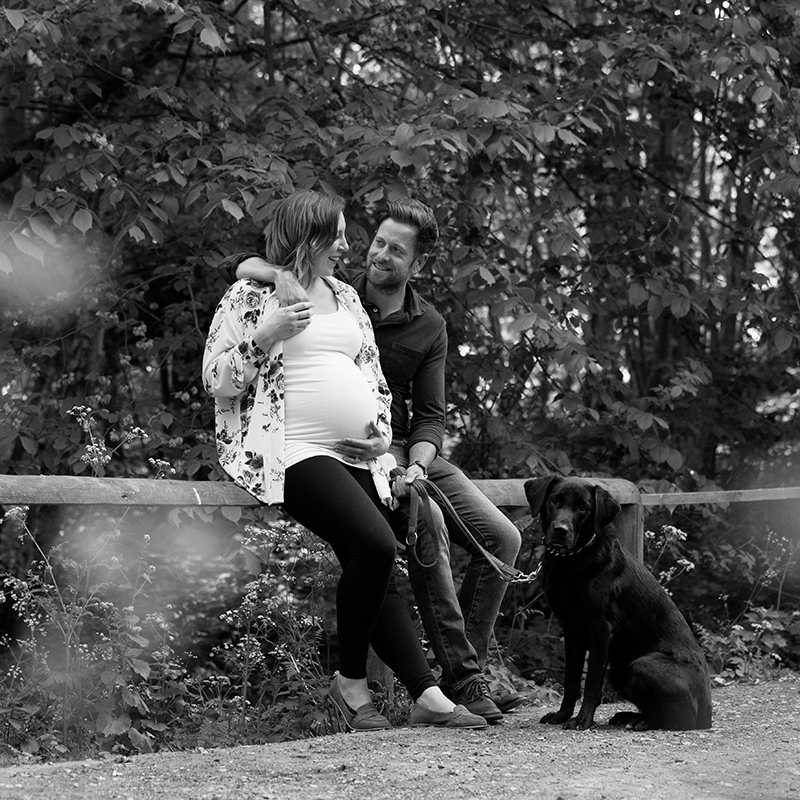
x: 389, y: 284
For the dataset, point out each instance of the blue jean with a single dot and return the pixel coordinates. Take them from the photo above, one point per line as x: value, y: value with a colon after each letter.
x: 459, y: 624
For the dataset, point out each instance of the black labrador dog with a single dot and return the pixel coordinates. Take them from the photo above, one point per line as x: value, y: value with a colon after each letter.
x: 611, y: 606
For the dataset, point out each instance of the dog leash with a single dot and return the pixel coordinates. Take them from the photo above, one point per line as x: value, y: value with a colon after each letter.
x: 422, y: 492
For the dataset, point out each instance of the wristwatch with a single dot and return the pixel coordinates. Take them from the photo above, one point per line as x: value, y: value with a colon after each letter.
x: 422, y: 467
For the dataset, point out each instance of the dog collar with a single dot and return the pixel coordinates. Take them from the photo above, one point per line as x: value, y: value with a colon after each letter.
x: 557, y: 554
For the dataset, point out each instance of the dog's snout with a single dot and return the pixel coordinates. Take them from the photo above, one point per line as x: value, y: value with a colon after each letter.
x: 560, y: 529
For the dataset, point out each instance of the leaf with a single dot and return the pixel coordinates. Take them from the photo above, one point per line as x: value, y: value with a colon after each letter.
x: 233, y: 513
x: 783, y: 340
x: 62, y: 136
x: 589, y: 123
x: 762, y: 94
x: 568, y: 136
x: 543, y: 133
x: 211, y: 38
x: 42, y: 231
x: 140, y: 741
x: 233, y: 209
x: 29, y: 445
x: 637, y: 294
x: 561, y: 245
x: 674, y: 459
x: 30, y: 747
x: 16, y: 18
x: 111, y: 679
x: 722, y: 64
x: 680, y: 307
x: 82, y: 220
x: 155, y: 232
x: 132, y: 699
x: 89, y: 179
x: 644, y: 420
x: 25, y: 245
x: 252, y: 562
x: 606, y: 50
x: 402, y: 159
x: 140, y: 667
x: 403, y: 133
x: 5, y: 264
x: 647, y: 69
x: 117, y: 726
x: 186, y: 24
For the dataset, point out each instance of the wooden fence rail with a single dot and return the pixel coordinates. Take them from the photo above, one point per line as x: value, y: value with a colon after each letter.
x: 508, y: 494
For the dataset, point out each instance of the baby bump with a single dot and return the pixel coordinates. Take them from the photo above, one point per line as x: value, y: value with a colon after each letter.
x: 330, y: 403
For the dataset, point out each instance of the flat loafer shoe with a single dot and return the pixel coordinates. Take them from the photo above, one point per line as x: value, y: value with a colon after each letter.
x: 459, y: 717
x: 363, y: 718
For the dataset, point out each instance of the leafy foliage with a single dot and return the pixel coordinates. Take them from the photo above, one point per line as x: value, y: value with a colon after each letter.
x: 616, y: 185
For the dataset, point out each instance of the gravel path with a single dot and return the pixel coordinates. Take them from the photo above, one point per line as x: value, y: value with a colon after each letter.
x: 751, y: 753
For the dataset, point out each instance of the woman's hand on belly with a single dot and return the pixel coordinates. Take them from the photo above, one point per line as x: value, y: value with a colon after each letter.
x: 356, y: 450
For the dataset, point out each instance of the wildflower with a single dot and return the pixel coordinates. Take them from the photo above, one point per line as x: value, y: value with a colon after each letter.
x: 136, y: 433
x: 673, y: 534
x: 96, y: 454
x: 161, y: 467
x: 16, y: 514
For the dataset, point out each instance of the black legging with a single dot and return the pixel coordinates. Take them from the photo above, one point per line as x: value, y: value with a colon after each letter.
x: 339, y: 504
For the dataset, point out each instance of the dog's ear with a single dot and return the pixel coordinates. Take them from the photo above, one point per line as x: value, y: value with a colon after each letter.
x: 606, y: 508
x: 536, y: 490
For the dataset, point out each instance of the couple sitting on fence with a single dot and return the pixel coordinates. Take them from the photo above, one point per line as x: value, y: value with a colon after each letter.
x: 305, y: 418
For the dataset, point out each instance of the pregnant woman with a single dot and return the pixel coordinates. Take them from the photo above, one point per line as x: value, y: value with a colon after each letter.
x: 289, y: 383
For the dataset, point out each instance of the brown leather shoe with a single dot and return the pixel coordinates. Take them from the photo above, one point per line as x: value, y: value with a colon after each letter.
x: 459, y: 717
x: 509, y: 701
x: 475, y: 697
x: 363, y: 718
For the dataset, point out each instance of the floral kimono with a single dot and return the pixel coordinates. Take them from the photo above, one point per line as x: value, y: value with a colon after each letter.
x: 247, y: 385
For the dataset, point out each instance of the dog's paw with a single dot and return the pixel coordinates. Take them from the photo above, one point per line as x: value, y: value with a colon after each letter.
x: 578, y: 723
x: 554, y: 718
x: 630, y: 720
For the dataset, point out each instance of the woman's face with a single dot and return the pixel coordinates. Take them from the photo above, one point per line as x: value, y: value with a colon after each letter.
x: 326, y: 259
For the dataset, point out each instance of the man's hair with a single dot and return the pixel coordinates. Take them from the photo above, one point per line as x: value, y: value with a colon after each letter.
x: 416, y: 215
x: 300, y: 226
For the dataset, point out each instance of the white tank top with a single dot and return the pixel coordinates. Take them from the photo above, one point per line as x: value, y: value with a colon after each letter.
x: 327, y: 398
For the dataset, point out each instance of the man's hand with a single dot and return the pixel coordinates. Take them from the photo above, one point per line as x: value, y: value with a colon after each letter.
x: 287, y: 289
x: 355, y: 450
x: 400, y: 485
x: 283, y: 324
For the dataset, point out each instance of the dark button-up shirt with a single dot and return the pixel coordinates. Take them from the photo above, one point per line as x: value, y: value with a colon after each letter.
x: 412, y: 344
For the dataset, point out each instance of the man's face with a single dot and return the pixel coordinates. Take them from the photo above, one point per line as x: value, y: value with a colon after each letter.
x: 391, y: 259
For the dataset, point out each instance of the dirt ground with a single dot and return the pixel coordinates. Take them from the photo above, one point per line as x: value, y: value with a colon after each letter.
x: 751, y: 753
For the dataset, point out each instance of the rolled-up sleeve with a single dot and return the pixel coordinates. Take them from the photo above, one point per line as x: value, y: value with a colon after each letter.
x: 428, y: 395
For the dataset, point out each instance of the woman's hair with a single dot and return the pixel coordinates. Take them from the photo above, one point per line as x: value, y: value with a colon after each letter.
x: 301, y: 225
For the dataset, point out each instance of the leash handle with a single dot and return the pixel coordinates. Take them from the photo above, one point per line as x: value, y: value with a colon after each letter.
x: 419, y: 499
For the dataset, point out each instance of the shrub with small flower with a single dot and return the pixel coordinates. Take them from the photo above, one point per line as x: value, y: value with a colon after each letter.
x: 753, y: 642
x: 666, y: 544
x: 96, y: 666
